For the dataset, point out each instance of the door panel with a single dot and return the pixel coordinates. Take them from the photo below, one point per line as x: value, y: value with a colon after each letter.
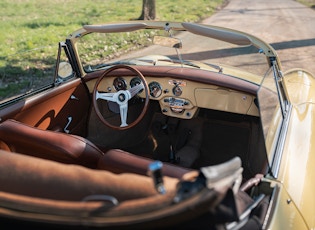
x: 64, y: 108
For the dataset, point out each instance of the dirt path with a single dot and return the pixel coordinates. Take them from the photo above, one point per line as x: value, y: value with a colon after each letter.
x: 287, y: 25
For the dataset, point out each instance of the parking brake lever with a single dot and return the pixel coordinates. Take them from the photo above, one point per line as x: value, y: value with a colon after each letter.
x: 155, y: 171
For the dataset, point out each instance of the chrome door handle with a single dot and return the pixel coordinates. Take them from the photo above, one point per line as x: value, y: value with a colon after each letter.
x: 66, y: 130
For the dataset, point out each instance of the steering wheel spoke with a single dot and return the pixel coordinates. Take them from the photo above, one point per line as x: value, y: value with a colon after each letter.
x: 136, y: 89
x: 105, y: 96
x: 121, y: 98
x: 123, y: 114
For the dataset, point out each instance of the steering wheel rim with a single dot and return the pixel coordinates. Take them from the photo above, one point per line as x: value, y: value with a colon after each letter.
x: 121, y: 97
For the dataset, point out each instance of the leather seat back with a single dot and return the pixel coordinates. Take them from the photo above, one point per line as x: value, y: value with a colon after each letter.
x: 65, y: 148
x: 71, y: 149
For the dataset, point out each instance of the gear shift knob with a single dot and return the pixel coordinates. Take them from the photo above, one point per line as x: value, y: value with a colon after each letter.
x: 155, y: 171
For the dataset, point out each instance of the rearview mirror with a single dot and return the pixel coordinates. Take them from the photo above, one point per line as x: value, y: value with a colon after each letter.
x: 168, y: 42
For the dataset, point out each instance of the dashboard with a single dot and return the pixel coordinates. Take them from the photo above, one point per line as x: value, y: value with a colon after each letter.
x: 183, y: 98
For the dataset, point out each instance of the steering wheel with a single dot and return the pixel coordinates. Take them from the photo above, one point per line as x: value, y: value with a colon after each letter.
x: 121, y: 98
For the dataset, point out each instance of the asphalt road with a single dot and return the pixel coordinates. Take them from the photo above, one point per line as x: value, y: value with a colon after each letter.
x: 287, y: 25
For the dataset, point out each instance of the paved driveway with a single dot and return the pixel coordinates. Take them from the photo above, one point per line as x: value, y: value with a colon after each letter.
x: 287, y: 25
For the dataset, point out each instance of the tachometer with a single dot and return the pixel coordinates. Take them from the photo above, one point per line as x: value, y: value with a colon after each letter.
x: 155, y: 89
x: 120, y: 84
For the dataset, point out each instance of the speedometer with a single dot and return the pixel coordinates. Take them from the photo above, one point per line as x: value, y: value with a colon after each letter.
x: 155, y: 89
x: 135, y: 81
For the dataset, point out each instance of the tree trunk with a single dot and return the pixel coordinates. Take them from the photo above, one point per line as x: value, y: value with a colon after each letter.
x: 148, y: 10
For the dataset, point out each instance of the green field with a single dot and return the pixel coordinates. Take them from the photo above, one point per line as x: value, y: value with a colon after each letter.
x: 28, y: 24
x: 31, y: 29
x: 309, y: 3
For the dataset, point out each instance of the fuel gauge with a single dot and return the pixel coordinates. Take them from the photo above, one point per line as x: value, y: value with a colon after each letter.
x: 177, y: 90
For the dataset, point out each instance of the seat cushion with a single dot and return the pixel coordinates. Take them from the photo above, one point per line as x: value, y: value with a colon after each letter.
x: 71, y: 149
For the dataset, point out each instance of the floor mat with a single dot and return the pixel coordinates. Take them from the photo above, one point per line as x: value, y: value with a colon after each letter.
x: 172, y: 140
x: 221, y: 142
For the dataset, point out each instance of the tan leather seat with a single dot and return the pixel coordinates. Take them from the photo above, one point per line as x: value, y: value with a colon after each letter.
x: 48, y: 144
x: 46, y: 193
x: 72, y: 149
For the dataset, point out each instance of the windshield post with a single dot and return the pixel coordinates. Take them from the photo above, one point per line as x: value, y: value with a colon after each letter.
x: 281, y: 93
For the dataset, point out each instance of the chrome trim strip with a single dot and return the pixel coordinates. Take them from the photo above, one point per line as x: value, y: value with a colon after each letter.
x: 275, y: 166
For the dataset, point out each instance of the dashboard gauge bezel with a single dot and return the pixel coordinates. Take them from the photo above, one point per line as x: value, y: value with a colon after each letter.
x: 155, y: 89
x: 119, y: 83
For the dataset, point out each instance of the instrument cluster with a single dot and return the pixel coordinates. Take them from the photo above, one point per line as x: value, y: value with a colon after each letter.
x: 155, y: 87
x: 171, y: 102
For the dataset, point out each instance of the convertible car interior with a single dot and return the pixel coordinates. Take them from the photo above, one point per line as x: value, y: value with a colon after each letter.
x: 185, y: 134
x: 145, y: 142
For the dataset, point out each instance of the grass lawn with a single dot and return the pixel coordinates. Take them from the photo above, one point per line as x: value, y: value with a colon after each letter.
x: 31, y: 29
x: 28, y: 24
x: 309, y: 3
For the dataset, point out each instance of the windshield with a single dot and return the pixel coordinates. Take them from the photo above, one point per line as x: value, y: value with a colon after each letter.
x: 98, y: 50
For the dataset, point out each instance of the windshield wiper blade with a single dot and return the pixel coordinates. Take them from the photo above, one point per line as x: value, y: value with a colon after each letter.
x: 215, y: 67
x: 103, y: 65
x: 184, y: 62
x: 153, y: 62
